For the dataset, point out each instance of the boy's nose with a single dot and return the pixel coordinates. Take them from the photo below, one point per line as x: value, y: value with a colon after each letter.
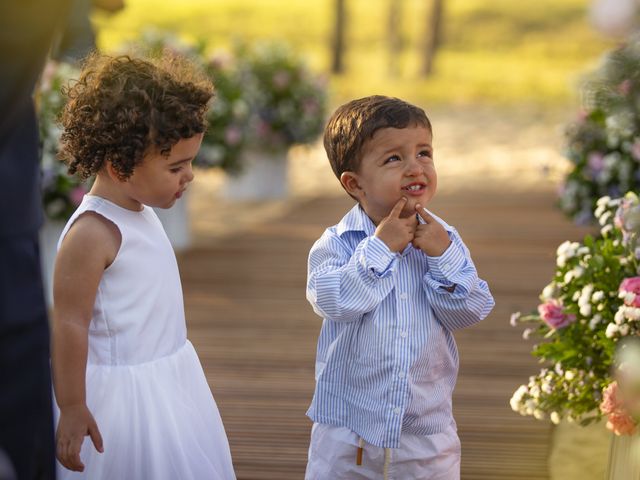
x: 413, y: 168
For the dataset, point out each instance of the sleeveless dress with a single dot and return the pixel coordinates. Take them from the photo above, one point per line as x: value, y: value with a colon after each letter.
x: 144, y: 383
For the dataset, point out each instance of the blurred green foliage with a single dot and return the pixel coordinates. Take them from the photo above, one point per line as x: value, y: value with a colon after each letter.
x: 494, y: 52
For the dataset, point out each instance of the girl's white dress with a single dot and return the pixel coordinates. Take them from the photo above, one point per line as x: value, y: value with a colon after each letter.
x: 145, y: 386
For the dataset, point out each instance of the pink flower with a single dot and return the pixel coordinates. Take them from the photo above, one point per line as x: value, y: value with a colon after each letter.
x: 233, y: 135
x: 618, y: 420
x: 631, y: 284
x: 281, y: 79
x: 76, y: 195
x: 625, y: 87
x: 552, y: 313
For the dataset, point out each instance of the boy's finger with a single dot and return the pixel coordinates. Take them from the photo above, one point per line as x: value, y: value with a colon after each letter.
x: 96, y: 438
x: 397, y: 208
x: 424, y: 214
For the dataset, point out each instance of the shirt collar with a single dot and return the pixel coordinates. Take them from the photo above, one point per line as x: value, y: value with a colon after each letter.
x: 356, y: 220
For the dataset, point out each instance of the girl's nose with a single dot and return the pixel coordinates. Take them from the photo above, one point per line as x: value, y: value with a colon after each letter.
x: 189, y: 173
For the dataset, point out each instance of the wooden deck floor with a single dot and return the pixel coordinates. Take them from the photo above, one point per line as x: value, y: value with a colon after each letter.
x: 256, y: 334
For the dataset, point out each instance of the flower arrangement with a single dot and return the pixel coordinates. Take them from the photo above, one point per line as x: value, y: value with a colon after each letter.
x: 603, y: 144
x: 287, y: 102
x: 265, y: 98
x: 592, y: 303
x: 226, y: 136
x: 61, y: 193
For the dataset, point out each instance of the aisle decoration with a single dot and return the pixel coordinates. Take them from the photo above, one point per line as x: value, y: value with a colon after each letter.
x: 603, y: 144
x: 590, y: 306
x: 61, y: 192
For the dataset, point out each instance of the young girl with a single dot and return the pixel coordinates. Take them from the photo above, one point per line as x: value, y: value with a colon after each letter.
x: 124, y: 372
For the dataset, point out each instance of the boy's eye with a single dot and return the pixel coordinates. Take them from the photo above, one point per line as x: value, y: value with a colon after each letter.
x: 392, y: 158
x: 425, y: 153
x: 175, y: 169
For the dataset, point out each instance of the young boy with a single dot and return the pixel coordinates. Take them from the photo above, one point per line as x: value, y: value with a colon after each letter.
x: 392, y: 281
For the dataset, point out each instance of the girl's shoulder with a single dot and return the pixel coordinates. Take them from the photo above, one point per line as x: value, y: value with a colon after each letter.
x: 94, y: 234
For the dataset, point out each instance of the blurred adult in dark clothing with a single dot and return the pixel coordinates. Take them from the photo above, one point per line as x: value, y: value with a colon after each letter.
x: 27, y: 28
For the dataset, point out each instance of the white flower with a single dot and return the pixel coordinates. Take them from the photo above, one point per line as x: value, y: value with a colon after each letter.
x: 629, y: 297
x: 538, y: 414
x: 595, y: 320
x: 568, y: 276
x: 604, y: 231
x: 535, y: 392
x: 585, y: 310
x: 514, y: 319
x: 612, y: 329
x: 569, y: 375
x: 582, y: 251
x: 604, y: 217
x: 530, y: 406
x: 548, y: 291
x: 597, y: 296
x: 624, y: 329
x: 561, y: 261
x: 633, y: 313
x: 620, y: 315
x: 555, y: 418
x: 576, y: 296
x: 603, y: 201
x: 527, y: 333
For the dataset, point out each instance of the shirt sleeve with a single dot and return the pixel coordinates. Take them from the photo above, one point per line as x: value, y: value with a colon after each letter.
x: 457, y: 295
x: 343, y: 285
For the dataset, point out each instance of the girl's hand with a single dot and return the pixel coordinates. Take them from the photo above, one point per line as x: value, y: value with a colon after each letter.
x: 75, y: 423
x: 397, y: 232
x: 430, y: 237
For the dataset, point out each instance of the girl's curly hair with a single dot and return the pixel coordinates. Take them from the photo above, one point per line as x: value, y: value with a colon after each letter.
x: 121, y: 107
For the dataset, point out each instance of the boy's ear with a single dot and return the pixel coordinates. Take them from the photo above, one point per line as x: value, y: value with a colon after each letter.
x: 350, y: 183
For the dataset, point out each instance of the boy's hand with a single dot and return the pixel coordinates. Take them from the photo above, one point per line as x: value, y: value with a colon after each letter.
x: 75, y: 423
x: 397, y: 232
x: 430, y: 237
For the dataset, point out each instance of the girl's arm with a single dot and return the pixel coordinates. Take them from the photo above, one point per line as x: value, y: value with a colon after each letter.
x: 457, y: 295
x: 89, y: 247
x: 343, y: 285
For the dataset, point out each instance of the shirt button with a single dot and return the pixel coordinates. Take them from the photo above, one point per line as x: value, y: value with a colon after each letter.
x: 397, y: 410
x: 401, y: 375
x: 403, y: 334
x: 403, y: 296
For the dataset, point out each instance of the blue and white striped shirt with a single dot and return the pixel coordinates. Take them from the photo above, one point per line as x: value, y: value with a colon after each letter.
x: 387, y: 362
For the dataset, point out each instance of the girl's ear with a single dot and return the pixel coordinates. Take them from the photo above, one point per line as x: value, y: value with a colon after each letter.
x: 113, y: 174
x: 350, y: 183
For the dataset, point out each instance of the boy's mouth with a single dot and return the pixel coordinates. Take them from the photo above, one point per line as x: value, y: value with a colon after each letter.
x: 415, y: 188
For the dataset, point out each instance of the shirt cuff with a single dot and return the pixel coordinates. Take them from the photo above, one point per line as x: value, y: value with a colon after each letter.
x: 377, y: 258
x: 448, y: 264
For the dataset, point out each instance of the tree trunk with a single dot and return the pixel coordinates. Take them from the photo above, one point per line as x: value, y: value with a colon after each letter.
x: 338, y: 44
x: 394, y: 35
x: 433, y: 39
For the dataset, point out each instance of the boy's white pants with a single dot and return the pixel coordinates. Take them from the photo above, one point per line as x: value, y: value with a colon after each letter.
x: 333, y: 452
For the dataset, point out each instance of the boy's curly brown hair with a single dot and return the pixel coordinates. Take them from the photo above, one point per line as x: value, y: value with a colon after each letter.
x: 122, y: 107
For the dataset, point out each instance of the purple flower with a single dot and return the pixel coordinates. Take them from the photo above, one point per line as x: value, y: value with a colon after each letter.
x: 595, y: 160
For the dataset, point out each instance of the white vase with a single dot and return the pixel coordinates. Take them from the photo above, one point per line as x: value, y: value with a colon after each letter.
x: 264, y: 176
x: 624, y: 458
x: 175, y: 221
x: 49, y: 235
